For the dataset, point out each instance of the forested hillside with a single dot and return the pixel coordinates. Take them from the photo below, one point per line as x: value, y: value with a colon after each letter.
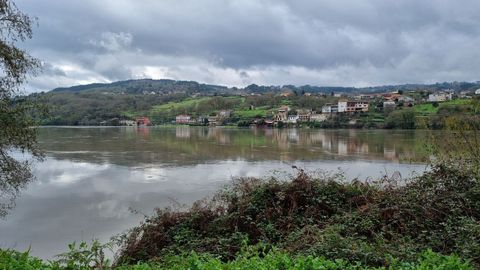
x: 148, y: 86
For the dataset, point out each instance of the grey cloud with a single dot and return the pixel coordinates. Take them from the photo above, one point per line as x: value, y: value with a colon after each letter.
x: 49, y: 69
x: 376, y: 41
x: 113, y: 42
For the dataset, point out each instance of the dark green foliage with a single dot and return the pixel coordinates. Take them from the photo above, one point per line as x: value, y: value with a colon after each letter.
x: 323, y: 217
x: 243, y: 123
x: 66, y: 108
x: 404, y: 119
x: 336, y: 121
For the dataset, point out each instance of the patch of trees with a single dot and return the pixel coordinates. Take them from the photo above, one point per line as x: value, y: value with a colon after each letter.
x: 88, y: 108
x: 402, y: 119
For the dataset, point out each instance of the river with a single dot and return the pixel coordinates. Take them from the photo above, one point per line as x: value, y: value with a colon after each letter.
x: 99, y: 181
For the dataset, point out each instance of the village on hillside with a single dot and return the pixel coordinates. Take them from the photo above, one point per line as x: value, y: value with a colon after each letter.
x: 349, y: 107
x: 396, y: 109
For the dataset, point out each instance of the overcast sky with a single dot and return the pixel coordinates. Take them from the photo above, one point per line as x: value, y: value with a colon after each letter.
x: 272, y: 42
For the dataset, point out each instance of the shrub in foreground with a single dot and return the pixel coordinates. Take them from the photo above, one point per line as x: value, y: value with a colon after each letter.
x: 355, y: 221
x: 274, y: 260
x: 252, y: 259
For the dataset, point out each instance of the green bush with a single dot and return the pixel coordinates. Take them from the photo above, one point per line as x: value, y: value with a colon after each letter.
x: 404, y: 119
x: 252, y: 258
x: 274, y: 260
x: 81, y: 257
x: 14, y: 260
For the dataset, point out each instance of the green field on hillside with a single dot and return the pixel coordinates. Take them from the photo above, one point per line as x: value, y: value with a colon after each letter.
x: 429, y: 109
x: 177, y: 105
x: 425, y: 109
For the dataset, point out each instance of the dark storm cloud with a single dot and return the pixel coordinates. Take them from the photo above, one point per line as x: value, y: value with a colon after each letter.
x: 326, y: 42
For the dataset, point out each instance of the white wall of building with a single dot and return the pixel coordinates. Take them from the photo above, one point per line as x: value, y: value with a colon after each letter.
x: 342, y: 106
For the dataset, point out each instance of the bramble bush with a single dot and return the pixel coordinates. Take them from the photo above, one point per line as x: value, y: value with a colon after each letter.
x: 355, y: 221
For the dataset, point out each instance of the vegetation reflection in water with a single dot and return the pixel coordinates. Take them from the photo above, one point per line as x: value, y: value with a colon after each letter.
x: 187, y: 145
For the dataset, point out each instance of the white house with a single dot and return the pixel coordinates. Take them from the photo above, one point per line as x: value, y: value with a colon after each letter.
x: 128, y: 123
x: 439, y: 97
x: 342, y: 106
x: 406, y: 99
x: 389, y: 105
x: 183, y: 119
x: 225, y: 113
x: 327, y: 108
x: 293, y: 118
x: 477, y: 92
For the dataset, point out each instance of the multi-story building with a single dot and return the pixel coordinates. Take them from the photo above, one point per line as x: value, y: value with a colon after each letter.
x: 357, y: 106
x: 342, y: 106
x: 282, y: 114
x: 346, y: 106
x: 352, y: 106
x: 213, y: 120
x: 304, y: 116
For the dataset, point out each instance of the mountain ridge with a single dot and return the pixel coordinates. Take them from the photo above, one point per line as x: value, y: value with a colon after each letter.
x: 139, y: 86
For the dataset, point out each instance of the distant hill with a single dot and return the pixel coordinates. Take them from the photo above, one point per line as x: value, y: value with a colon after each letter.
x: 149, y: 86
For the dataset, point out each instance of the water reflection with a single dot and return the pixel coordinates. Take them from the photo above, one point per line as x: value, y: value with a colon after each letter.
x: 93, y: 177
x: 15, y: 176
x: 186, y: 146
